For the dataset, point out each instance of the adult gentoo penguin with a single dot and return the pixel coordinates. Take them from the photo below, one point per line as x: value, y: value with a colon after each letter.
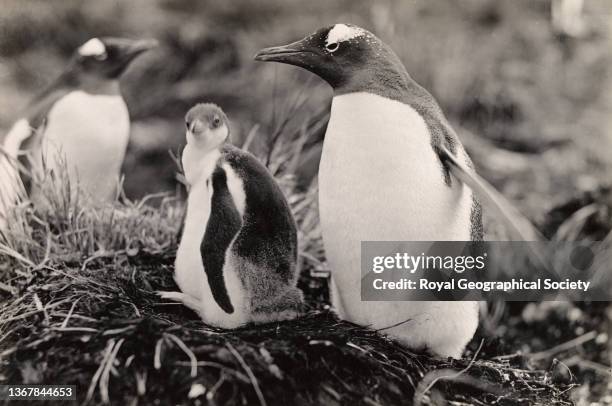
x: 79, y: 125
x: 237, y: 260
x: 383, y: 177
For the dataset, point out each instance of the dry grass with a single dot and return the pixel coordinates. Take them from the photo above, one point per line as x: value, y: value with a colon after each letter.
x: 102, y: 328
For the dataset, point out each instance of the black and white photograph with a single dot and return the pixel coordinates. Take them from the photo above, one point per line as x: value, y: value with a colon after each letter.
x: 284, y: 202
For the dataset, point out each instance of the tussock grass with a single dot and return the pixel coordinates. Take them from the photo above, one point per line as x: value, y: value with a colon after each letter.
x: 65, y: 227
x: 103, y: 328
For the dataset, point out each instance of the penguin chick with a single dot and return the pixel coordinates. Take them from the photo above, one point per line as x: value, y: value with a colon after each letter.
x: 237, y: 259
x: 381, y: 179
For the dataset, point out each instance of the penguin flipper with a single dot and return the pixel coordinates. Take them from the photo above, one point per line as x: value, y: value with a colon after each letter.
x: 28, y: 131
x: 19, y: 132
x: 11, y: 184
x: 519, y: 226
x: 223, y: 225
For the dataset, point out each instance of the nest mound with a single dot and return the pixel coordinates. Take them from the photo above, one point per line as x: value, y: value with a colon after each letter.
x: 100, y: 326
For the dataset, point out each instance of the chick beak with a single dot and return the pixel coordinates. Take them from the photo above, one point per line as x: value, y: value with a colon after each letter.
x: 196, y: 126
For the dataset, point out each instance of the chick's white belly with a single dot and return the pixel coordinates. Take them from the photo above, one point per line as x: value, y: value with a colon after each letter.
x: 190, y: 274
x: 189, y: 270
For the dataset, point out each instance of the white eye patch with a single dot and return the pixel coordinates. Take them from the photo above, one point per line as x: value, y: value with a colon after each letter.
x: 342, y: 32
x: 93, y: 47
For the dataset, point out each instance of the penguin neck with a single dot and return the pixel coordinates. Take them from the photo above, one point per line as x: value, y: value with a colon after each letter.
x: 386, y: 81
x: 68, y: 82
x: 199, y: 164
x: 100, y: 86
x: 89, y: 83
x: 391, y: 80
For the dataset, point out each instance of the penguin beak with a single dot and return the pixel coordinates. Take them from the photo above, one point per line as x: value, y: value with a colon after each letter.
x: 299, y: 53
x: 131, y: 49
x: 196, y: 127
x: 305, y: 54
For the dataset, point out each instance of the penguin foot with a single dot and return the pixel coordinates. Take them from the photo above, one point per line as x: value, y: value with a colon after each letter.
x: 189, y: 301
x: 336, y: 299
x: 452, y: 350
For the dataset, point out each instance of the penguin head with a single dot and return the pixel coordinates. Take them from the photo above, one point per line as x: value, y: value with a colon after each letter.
x: 207, y: 126
x: 108, y: 57
x: 341, y: 54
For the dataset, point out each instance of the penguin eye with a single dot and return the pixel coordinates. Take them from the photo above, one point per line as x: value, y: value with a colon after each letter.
x: 187, y: 125
x: 216, y: 122
x: 333, y: 47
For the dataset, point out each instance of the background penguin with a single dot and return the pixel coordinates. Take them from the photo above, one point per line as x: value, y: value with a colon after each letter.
x: 381, y: 168
x: 80, y: 124
x: 237, y: 260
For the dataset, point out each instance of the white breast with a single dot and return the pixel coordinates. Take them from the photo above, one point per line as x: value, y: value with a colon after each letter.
x: 91, y: 132
x: 379, y: 179
x: 378, y: 168
x: 189, y: 270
